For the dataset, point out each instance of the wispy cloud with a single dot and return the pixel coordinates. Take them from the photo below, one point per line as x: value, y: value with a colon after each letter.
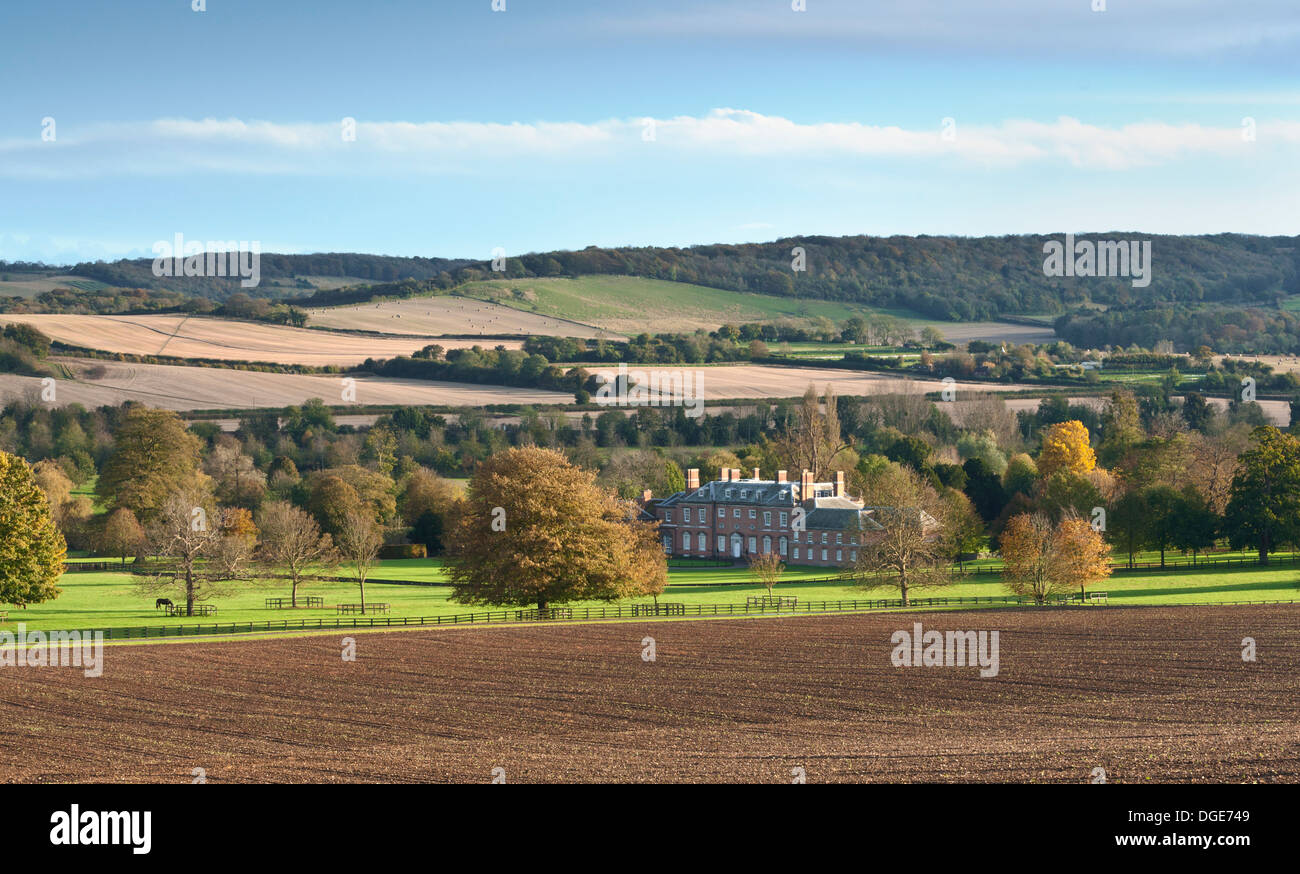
x: 171, y: 146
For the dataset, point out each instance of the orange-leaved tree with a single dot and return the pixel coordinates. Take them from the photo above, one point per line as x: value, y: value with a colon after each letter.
x: 1041, y: 559
x: 1066, y: 450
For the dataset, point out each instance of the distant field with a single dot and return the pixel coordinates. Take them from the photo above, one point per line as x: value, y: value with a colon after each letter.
x: 32, y: 284
x: 631, y: 305
x: 207, y: 388
x: 211, y: 388
x: 224, y: 339
x: 448, y: 315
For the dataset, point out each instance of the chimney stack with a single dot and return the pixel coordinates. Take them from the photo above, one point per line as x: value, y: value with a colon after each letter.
x: 735, y: 474
x: 756, y: 476
x: 805, y: 485
x: 692, y: 479
x: 839, y: 484
x: 646, y: 496
x: 780, y: 476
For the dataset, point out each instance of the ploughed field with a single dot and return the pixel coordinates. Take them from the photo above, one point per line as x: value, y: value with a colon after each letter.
x: 1148, y: 694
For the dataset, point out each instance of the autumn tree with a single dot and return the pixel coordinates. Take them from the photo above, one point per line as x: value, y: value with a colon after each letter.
x: 292, y: 540
x: 766, y: 568
x: 121, y: 535
x: 359, y: 540
x: 907, y: 549
x: 31, y: 548
x: 153, y: 458
x: 1264, y: 504
x: 1042, y: 559
x: 538, y: 530
x: 235, y: 477
x: 1066, y: 449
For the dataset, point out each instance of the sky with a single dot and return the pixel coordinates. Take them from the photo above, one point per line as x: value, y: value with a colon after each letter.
x: 558, y: 124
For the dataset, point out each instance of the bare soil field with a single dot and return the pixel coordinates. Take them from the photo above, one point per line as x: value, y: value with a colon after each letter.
x: 227, y: 340
x: 1157, y: 695
x: 450, y: 315
x: 213, y: 388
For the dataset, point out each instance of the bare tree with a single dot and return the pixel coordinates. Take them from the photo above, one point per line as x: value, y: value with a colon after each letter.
x: 204, y: 556
x: 813, y: 438
x: 359, y: 541
x: 907, y: 550
x: 292, y: 540
x: 767, y: 568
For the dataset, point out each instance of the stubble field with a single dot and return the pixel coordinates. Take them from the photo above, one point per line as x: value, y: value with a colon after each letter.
x: 1147, y: 694
x: 227, y: 340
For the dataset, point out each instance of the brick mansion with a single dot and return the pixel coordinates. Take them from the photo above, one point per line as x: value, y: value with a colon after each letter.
x: 805, y: 522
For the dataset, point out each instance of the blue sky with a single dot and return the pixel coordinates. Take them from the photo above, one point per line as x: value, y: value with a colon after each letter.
x: 528, y: 128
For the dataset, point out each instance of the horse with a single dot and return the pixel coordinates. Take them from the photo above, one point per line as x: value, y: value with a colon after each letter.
x: 162, y: 602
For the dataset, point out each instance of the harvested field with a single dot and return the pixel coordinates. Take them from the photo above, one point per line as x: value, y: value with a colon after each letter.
x: 1147, y: 694
x: 449, y: 315
x: 207, y: 388
x: 212, y: 388
x: 227, y: 340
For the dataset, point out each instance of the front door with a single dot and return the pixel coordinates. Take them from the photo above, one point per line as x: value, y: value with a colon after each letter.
x: 735, y: 545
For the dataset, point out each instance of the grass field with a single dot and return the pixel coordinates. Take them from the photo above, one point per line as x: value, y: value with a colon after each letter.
x: 111, y: 600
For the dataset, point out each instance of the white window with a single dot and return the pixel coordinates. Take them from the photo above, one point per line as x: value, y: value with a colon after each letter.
x: 686, y: 514
x: 753, y: 547
x: 722, y: 512
x: 668, y: 515
x: 796, y: 552
x: 767, y: 518
x: 668, y: 543
x: 823, y: 541
x: 853, y: 556
x: 735, y: 513
x: 767, y: 545
x: 702, y: 542
x: 753, y: 514
x: 686, y: 541
x: 839, y: 555
x: 744, y: 494
x: 839, y: 538
x: 784, y: 546
x: 823, y: 555
x: 783, y: 519
x: 729, y: 491
x: 722, y: 543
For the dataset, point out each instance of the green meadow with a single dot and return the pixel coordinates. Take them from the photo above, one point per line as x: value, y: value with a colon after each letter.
x: 116, y: 600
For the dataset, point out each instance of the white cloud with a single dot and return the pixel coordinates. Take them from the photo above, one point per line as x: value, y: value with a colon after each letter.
x: 234, y: 146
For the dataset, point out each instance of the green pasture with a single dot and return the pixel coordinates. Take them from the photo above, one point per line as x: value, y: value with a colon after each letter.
x: 114, y: 600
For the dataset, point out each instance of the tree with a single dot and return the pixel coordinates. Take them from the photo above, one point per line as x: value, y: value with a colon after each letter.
x: 767, y: 568
x: 813, y: 439
x: 907, y: 551
x: 1195, y: 525
x: 538, y: 530
x: 1042, y: 559
x: 1066, y: 448
x: 122, y: 534
x: 1163, y: 503
x: 359, y: 541
x: 292, y: 540
x: 1127, y: 523
x: 1264, y: 507
x: 187, y: 530
x: 235, y: 477
x: 31, y: 547
x: 153, y: 457
x: 963, y: 528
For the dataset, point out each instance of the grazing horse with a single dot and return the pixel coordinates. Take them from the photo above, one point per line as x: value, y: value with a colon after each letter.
x: 163, y: 602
